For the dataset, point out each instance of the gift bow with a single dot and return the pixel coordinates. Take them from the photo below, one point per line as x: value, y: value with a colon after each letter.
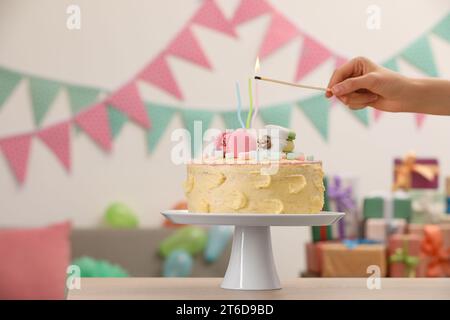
x: 433, y: 247
x: 401, y: 255
x: 405, y: 170
x: 426, y: 204
x: 343, y: 197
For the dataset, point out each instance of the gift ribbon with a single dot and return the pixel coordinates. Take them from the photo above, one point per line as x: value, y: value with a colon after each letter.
x: 401, y: 255
x: 404, y: 171
x: 433, y: 247
x: 343, y: 197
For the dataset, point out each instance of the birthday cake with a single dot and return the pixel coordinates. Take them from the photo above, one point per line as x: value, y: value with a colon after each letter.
x: 255, y: 173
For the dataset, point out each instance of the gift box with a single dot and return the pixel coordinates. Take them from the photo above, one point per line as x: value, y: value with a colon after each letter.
x: 428, y: 206
x: 415, y: 173
x: 314, y: 256
x: 447, y: 187
x: 434, y: 248
x: 341, y: 193
x: 404, y: 255
x: 383, y: 205
x: 340, y: 260
x: 380, y: 229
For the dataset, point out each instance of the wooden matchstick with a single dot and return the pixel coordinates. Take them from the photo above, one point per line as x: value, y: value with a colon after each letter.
x: 292, y: 84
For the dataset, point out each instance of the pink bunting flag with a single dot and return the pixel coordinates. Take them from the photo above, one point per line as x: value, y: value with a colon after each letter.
x: 186, y: 46
x: 250, y: 9
x: 210, y: 16
x: 128, y: 100
x: 279, y: 33
x: 313, y: 54
x: 94, y: 122
x: 57, y: 139
x: 17, y: 151
x: 377, y: 114
x: 159, y: 74
x: 420, y: 118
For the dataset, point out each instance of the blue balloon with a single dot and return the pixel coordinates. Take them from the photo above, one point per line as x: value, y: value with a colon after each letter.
x: 178, y: 264
x: 218, y: 238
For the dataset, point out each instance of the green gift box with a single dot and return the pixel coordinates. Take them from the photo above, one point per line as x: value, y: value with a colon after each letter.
x: 377, y: 207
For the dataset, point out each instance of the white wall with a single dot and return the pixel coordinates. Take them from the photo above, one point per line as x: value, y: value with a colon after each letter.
x: 119, y: 37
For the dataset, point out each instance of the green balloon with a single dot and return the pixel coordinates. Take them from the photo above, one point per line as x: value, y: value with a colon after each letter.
x: 119, y: 215
x: 189, y: 238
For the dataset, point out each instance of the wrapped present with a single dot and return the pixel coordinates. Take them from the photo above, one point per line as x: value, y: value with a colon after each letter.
x: 404, y: 255
x: 448, y: 205
x: 447, y: 187
x: 340, y: 260
x: 314, y: 256
x: 428, y: 206
x: 415, y: 173
x: 380, y: 229
x: 386, y: 205
x: 342, y: 198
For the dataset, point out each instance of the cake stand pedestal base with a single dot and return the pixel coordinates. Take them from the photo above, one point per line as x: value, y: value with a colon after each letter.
x: 251, y: 265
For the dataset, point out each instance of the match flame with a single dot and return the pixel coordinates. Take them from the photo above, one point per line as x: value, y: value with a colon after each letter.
x: 257, y: 65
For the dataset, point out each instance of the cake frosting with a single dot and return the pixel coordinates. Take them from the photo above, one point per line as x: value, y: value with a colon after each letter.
x: 246, y: 182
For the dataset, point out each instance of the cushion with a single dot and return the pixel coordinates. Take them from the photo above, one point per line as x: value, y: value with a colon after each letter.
x: 33, y: 262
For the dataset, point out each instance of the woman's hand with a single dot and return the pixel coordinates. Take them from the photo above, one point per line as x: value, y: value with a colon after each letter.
x: 360, y: 83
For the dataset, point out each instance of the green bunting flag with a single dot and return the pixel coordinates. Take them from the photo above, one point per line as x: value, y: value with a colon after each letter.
x: 189, y: 116
x: 43, y: 93
x: 8, y: 81
x: 279, y: 115
x: 116, y: 120
x: 391, y: 64
x: 362, y: 115
x: 443, y: 28
x: 231, y: 119
x: 317, y: 109
x: 160, y: 117
x: 419, y: 54
x: 81, y: 97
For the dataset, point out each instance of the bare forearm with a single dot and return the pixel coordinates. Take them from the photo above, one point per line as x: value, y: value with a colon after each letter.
x: 430, y: 96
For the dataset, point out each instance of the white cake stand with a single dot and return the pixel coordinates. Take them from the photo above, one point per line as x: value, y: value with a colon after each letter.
x: 251, y: 265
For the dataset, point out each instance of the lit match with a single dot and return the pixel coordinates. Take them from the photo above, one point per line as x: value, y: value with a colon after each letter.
x: 292, y: 84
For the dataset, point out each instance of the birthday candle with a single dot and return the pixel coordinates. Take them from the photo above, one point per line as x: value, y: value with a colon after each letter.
x: 239, y: 105
x: 250, y: 111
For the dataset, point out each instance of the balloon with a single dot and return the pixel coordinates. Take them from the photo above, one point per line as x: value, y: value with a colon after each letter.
x: 218, y: 238
x: 178, y: 264
x: 189, y: 238
x: 95, y: 268
x: 118, y: 215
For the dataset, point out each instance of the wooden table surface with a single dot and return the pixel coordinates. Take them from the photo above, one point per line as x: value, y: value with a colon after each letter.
x: 300, y: 288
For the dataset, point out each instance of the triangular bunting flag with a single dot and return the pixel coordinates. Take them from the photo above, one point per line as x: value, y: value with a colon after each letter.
x: 419, y: 54
x: 339, y: 61
x: 186, y: 46
x: 362, y: 115
x: 250, y: 9
x: 317, y: 109
x: 159, y: 74
x: 81, y: 97
x: 43, y: 93
x: 279, y: 33
x: 160, y: 116
x: 420, y: 118
x: 127, y: 100
x: 57, y: 139
x: 94, y: 121
x: 391, y: 64
x: 313, y: 54
x: 116, y: 120
x: 443, y: 28
x: 231, y: 119
x: 278, y: 115
x: 377, y: 114
x: 189, y: 118
x: 210, y: 16
x: 8, y: 81
x: 17, y: 151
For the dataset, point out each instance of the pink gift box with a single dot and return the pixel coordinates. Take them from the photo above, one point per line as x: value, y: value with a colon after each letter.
x: 376, y: 229
x: 398, y: 244
x: 418, y: 181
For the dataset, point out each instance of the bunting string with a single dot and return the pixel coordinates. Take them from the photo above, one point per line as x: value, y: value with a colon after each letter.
x: 102, y: 120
